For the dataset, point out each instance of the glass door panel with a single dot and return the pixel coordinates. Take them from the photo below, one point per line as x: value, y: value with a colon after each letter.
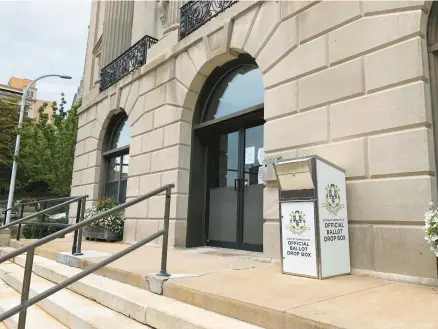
x: 253, y: 187
x: 235, y: 214
x: 223, y: 200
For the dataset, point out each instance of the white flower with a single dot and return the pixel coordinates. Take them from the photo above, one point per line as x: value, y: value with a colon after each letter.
x: 431, y: 228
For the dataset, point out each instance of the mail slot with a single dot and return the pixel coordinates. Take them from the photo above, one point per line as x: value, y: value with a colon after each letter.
x: 313, y: 216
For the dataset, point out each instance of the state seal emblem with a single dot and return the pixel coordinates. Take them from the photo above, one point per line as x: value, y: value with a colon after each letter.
x: 333, y: 199
x: 297, y: 222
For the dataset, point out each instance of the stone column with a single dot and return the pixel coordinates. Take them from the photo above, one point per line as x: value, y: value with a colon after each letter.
x: 169, y: 14
x: 117, y: 29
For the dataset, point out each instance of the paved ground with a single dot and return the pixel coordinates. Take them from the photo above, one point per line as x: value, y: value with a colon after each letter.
x: 148, y: 258
x: 250, y: 287
x: 346, y: 302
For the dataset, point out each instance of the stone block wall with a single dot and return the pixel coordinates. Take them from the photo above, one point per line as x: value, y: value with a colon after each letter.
x: 160, y: 154
x: 345, y: 80
x: 354, y: 89
x: 159, y: 150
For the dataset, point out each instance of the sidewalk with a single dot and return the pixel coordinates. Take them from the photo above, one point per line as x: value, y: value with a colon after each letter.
x: 265, y: 297
x: 251, y: 288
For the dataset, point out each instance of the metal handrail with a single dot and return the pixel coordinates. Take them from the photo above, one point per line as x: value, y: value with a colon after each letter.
x: 30, y: 249
x: 22, y: 205
x: 196, y: 13
x: 38, y: 201
x: 130, y: 60
x: 76, y: 248
x: 43, y: 212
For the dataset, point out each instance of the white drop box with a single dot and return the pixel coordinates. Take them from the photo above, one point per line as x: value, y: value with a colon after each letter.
x: 313, y: 216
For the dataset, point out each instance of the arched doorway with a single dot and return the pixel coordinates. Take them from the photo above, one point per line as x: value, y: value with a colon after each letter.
x: 226, y: 191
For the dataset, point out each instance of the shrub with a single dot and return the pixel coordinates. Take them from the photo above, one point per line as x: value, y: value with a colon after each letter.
x: 431, y: 228
x: 35, y: 231
x: 113, y: 222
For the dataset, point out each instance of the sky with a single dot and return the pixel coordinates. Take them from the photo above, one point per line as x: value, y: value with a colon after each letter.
x: 44, y: 37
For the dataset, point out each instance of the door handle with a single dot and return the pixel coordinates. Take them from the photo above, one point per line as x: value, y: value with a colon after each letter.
x: 236, y: 184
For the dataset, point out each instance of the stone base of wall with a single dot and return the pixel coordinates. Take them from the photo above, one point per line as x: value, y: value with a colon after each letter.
x: 399, y: 251
x: 396, y: 277
x: 138, y: 229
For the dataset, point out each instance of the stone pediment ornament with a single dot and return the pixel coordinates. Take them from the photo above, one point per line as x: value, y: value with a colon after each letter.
x: 97, y: 51
x: 163, y: 6
x: 169, y: 14
x: 98, y: 47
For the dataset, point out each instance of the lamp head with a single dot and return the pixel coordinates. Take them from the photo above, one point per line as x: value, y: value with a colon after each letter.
x: 63, y: 76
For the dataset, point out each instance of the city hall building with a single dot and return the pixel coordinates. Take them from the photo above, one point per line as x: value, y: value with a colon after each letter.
x: 205, y: 94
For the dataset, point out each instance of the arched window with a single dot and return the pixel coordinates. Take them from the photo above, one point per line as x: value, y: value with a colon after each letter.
x: 117, y: 142
x: 239, y: 89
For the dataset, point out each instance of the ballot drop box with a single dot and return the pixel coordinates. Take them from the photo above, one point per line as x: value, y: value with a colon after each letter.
x: 313, y: 216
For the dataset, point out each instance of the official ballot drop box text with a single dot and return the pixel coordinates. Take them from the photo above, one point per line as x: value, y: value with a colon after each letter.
x: 313, y: 216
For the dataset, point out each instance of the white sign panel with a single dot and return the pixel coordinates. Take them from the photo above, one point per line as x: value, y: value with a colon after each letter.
x: 261, y: 155
x: 250, y: 155
x: 260, y: 175
x: 298, y: 238
x: 333, y: 221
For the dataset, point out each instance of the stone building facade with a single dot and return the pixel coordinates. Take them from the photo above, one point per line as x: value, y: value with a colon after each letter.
x: 347, y: 80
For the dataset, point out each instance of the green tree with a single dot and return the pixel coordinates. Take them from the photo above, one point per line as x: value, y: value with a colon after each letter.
x: 48, y: 146
x: 9, y: 112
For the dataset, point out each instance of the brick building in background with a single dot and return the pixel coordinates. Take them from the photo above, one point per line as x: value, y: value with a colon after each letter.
x: 15, y: 88
x: 174, y: 97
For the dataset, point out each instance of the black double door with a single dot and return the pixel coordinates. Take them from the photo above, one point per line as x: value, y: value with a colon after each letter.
x: 235, y: 188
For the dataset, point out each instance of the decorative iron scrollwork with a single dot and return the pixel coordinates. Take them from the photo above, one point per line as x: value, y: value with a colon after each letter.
x: 196, y: 13
x: 127, y: 62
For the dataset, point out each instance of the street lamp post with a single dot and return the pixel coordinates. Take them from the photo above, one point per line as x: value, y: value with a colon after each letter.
x: 17, y: 141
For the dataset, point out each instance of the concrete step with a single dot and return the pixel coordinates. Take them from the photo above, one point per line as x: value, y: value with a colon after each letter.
x: 157, y: 311
x: 134, y: 279
x: 67, y: 307
x: 36, y: 317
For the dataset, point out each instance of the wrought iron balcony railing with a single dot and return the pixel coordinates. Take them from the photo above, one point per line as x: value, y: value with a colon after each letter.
x: 196, y: 13
x: 127, y: 62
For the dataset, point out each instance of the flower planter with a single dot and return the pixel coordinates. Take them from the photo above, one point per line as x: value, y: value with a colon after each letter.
x: 100, y: 233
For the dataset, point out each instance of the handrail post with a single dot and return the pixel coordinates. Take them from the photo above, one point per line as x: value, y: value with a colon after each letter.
x: 79, y: 242
x: 19, y: 225
x: 42, y: 221
x: 163, y: 271
x: 25, y: 288
x: 75, y: 234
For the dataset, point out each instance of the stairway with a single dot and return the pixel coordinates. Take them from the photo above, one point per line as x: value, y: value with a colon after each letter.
x: 96, y: 302
x: 10, y: 298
